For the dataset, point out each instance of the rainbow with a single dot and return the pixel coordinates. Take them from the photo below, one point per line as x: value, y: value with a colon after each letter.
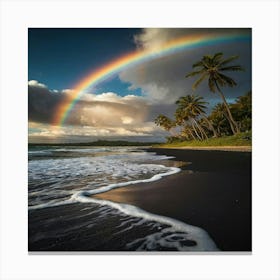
x: 134, y: 58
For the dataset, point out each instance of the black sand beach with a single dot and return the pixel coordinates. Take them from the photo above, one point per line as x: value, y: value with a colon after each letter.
x: 213, y: 192
x: 215, y: 195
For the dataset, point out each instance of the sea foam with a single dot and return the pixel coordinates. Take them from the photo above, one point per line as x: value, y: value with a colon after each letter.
x: 61, y: 181
x: 178, y: 235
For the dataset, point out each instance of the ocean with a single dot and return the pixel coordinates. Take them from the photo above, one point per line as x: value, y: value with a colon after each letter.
x: 64, y: 215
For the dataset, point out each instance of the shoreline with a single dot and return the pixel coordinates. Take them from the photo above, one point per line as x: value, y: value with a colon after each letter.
x: 212, y: 192
x: 212, y: 148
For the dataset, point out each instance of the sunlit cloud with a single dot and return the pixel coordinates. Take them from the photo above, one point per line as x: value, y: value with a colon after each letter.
x: 103, y: 115
x: 34, y: 83
x: 39, y: 130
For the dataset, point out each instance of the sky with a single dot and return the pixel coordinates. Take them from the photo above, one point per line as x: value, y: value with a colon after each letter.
x: 124, y: 105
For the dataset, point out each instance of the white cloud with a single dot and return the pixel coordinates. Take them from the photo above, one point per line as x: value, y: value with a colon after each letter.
x: 104, y: 115
x: 126, y: 120
x: 155, y: 38
x: 147, y: 129
x: 34, y: 83
x: 110, y: 109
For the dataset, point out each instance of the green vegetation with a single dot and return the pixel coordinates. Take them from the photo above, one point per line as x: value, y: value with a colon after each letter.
x: 212, y: 68
x: 227, y: 124
x: 240, y: 139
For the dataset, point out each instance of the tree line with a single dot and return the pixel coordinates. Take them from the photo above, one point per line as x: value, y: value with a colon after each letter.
x: 190, y: 119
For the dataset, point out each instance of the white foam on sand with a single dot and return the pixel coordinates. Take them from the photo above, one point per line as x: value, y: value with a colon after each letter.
x: 125, y: 170
x: 171, y: 170
x: 51, y: 204
x: 51, y: 180
x: 178, y: 235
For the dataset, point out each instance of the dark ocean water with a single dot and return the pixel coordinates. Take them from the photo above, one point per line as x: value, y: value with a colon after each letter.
x: 65, y: 216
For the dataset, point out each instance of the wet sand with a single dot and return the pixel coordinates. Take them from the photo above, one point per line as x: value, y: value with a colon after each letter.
x: 212, y: 192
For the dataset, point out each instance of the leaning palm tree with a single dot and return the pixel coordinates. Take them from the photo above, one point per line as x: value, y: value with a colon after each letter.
x: 211, y: 67
x: 189, y: 108
x: 188, y: 132
x: 194, y: 106
x: 164, y: 122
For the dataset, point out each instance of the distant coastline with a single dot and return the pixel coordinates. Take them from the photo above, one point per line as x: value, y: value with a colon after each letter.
x: 98, y: 143
x: 104, y: 143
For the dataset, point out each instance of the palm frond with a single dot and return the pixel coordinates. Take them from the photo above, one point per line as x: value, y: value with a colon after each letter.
x: 232, y: 68
x: 217, y: 56
x: 219, y: 80
x: 223, y: 62
x: 197, y: 82
x: 229, y: 81
x: 211, y: 85
x: 197, y: 64
x: 191, y: 74
x: 207, y: 61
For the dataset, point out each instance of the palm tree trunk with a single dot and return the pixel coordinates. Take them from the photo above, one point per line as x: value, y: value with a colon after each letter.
x: 190, y: 132
x: 211, y: 126
x: 234, y: 126
x: 188, y: 129
x: 202, y: 131
x: 195, y: 131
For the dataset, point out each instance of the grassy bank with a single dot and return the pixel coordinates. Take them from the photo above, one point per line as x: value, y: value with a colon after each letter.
x: 242, y: 139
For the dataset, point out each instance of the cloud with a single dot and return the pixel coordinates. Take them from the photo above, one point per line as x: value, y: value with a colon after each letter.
x: 104, y: 115
x: 91, y: 110
x: 146, y: 130
x: 163, y: 80
x: 109, y: 109
x: 42, y: 102
x: 34, y: 83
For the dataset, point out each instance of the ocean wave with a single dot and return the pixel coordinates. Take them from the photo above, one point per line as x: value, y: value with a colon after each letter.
x: 178, y: 235
x: 79, y: 179
x: 51, y: 180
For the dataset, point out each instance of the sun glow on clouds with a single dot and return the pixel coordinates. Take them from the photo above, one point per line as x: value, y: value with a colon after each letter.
x: 126, y: 120
x: 104, y: 115
x: 39, y: 130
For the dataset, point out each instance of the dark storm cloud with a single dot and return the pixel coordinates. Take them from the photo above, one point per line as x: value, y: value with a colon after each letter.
x: 42, y: 102
x: 163, y: 80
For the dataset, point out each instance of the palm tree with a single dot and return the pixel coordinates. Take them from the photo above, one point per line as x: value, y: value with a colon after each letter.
x: 242, y: 111
x: 206, y: 123
x: 211, y: 67
x: 189, y: 107
x: 220, y: 119
x: 165, y: 122
x: 243, y: 106
x: 187, y: 132
x: 183, y: 118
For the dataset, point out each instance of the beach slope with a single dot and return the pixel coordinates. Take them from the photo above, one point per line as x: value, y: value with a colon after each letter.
x: 213, y: 192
